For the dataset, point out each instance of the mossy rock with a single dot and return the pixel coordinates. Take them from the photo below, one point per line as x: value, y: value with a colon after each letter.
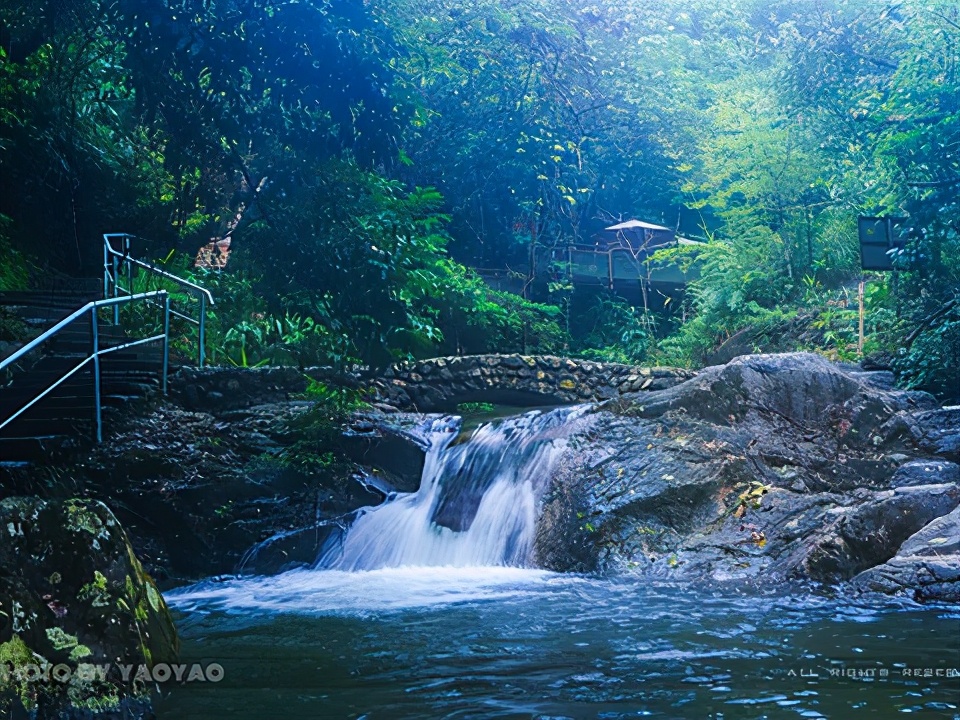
x: 72, y: 591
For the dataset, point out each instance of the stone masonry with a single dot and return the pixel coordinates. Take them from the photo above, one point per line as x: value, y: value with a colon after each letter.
x: 440, y: 384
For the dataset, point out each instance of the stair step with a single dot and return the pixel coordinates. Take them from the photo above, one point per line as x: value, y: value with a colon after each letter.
x: 128, y: 376
x: 41, y: 423
x: 55, y: 413
x: 32, y: 382
x: 27, y: 450
x: 64, y: 425
x: 70, y: 397
x: 122, y: 401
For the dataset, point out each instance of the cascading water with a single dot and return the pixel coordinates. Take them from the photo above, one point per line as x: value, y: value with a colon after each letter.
x: 477, y: 503
x: 466, y: 535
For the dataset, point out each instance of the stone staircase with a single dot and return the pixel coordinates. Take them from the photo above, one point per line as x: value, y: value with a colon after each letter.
x: 67, y: 415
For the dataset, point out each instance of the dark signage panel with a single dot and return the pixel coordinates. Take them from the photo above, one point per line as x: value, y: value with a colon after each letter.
x: 878, y: 237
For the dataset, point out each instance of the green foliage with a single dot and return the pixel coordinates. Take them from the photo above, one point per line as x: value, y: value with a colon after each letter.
x: 611, y: 330
x: 14, y: 273
x: 932, y: 362
x: 474, y: 408
x: 12, y: 328
x: 320, y: 429
x: 72, y: 156
x: 509, y: 323
x: 365, y: 265
x: 534, y: 117
x: 313, y: 133
x: 842, y: 112
x: 474, y: 318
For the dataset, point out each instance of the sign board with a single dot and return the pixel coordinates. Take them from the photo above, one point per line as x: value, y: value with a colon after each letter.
x: 880, y: 239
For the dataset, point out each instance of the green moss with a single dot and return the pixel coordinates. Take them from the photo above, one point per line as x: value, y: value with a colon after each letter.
x: 60, y: 639
x: 82, y: 519
x: 80, y: 652
x: 153, y: 597
x: 96, y: 703
x: 15, y: 653
x: 96, y: 592
x: 472, y: 408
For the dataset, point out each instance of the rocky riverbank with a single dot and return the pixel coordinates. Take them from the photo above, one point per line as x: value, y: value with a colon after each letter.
x: 768, y: 468
x: 79, y: 617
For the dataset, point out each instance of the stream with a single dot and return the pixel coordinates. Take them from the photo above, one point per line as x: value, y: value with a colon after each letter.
x: 430, y: 607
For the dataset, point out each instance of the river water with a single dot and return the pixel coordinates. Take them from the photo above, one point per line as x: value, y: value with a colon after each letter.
x: 429, y: 608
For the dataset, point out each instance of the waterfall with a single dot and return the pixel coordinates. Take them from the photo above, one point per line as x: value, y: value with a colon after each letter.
x: 477, y: 504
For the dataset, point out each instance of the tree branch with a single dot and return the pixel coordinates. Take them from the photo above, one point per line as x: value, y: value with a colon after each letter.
x: 927, y: 322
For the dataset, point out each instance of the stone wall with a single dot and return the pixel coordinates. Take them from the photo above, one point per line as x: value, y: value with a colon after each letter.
x: 222, y: 389
x: 442, y: 383
x: 438, y: 384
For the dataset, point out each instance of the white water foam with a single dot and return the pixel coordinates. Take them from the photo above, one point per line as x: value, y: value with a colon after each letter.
x: 467, y: 535
x: 335, y: 592
x: 477, y: 504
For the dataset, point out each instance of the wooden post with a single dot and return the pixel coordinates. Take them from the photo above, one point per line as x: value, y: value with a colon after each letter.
x: 860, y: 299
x: 531, y: 273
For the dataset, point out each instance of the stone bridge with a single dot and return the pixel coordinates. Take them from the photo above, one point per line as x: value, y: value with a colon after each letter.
x: 440, y: 384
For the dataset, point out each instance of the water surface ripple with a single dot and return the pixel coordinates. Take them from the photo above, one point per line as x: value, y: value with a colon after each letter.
x: 494, y: 642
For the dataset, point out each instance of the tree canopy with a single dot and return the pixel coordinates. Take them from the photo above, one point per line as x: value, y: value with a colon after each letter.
x: 363, y: 157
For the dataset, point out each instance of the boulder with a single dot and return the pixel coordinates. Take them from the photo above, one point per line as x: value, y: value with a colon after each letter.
x: 72, y: 592
x: 196, y: 491
x: 940, y: 430
x: 926, y: 566
x: 869, y: 534
x: 768, y: 468
x: 394, y: 444
x: 926, y: 472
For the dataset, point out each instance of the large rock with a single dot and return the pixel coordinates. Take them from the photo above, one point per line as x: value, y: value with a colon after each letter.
x: 926, y: 566
x: 197, y: 490
x: 72, y: 592
x: 941, y: 432
x: 393, y: 444
x: 779, y: 466
x: 868, y: 534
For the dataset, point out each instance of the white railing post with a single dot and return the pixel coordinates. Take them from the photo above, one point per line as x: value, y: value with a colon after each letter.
x: 202, y: 335
x: 97, y: 416
x: 114, y: 258
x: 166, y: 340
x: 116, y: 290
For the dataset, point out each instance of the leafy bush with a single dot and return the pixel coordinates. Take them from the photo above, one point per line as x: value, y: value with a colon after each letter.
x: 12, y: 328
x: 474, y: 408
x: 13, y: 265
x: 609, y: 329
x: 932, y: 362
x: 473, y: 318
x: 320, y: 428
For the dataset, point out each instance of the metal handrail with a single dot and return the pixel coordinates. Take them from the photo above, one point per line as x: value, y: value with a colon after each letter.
x: 97, y: 351
x: 112, y: 258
